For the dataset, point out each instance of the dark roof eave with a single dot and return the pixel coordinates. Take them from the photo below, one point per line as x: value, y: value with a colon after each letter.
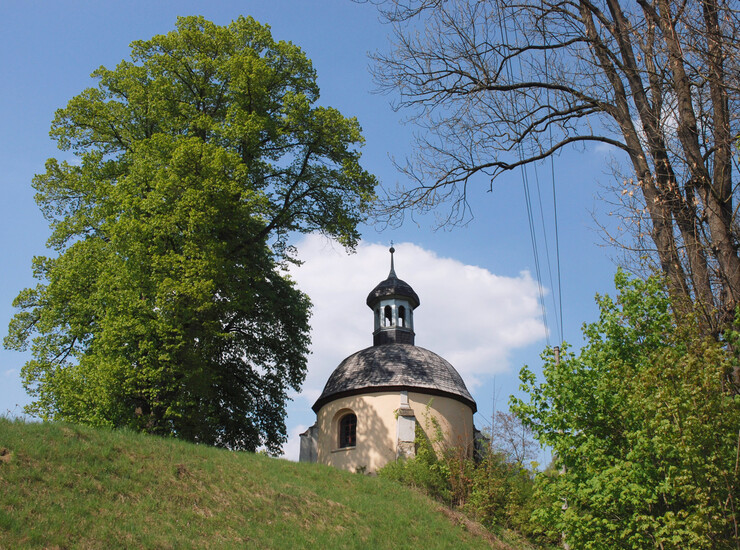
x: 373, y: 299
x: 392, y: 288
x: 377, y: 389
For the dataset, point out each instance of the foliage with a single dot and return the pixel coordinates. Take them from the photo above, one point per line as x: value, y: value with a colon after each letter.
x: 166, y: 309
x: 500, y: 85
x: 501, y: 495
x: 644, y: 424
x: 493, y: 490
x: 423, y: 471
x: 71, y: 486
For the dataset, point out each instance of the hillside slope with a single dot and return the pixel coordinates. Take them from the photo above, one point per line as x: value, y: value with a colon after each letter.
x: 69, y: 486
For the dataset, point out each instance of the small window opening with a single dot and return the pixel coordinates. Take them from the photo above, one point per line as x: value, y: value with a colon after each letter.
x: 388, y: 317
x: 401, y: 316
x: 347, y: 431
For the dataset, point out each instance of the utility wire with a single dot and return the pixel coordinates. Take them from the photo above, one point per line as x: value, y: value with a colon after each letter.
x: 533, y: 237
x: 557, y: 245
x: 528, y: 200
x: 554, y: 197
x: 557, y: 305
x: 558, y: 328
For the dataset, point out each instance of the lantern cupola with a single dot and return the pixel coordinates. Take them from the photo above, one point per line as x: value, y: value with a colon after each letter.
x: 393, y: 302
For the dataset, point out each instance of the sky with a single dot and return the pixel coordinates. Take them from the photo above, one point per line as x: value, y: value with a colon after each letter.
x: 480, y: 306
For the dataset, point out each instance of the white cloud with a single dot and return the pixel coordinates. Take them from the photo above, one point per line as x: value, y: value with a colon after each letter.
x: 468, y: 315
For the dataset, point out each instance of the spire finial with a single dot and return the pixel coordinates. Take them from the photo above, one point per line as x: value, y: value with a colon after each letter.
x: 393, y: 271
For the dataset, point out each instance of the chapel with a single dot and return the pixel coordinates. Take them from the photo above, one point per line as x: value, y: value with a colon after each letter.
x: 374, y: 400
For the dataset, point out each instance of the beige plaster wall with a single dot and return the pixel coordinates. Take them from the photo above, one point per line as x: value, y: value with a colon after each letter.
x: 455, y: 418
x: 376, y: 427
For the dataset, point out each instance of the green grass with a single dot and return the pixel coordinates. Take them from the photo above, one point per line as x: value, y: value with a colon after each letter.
x: 68, y: 486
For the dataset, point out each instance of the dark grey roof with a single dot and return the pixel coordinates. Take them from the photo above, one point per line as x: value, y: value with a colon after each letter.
x: 395, y: 367
x: 392, y: 286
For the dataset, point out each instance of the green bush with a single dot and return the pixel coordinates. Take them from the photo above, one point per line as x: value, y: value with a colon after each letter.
x: 644, y: 424
x: 424, y: 471
x: 494, y: 491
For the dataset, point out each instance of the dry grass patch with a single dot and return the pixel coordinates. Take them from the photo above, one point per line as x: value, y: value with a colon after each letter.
x: 5, y: 455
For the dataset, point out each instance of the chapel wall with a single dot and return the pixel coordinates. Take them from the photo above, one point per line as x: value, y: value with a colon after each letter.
x: 376, y: 431
x: 454, y: 418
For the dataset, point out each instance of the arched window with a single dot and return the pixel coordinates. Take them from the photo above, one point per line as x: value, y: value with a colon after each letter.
x: 401, y: 316
x: 347, y: 431
x: 387, y: 316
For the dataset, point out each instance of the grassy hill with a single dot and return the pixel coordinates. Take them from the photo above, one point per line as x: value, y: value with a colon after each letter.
x: 68, y: 486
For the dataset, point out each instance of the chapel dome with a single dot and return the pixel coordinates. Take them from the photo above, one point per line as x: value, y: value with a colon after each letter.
x: 394, y: 367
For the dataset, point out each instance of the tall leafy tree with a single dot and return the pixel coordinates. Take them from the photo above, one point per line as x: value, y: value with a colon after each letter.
x: 644, y: 426
x: 164, y: 307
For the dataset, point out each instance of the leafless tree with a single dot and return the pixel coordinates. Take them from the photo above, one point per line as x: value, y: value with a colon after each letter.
x: 512, y: 438
x: 500, y: 84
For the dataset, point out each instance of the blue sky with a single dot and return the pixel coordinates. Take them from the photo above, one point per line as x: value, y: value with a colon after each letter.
x: 47, y: 53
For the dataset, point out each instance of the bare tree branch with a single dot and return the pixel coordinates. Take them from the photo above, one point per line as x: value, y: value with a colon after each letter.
x: 496, y: 85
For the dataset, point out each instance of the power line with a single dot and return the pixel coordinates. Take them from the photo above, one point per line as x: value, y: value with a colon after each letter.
x: 530, y: 216
x: 558, y: 324
x: 533, y: 238
x: 554, y: 196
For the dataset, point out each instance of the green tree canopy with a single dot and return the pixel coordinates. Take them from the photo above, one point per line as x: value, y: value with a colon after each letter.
x: 164, y: 307
x: 644, y: 424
